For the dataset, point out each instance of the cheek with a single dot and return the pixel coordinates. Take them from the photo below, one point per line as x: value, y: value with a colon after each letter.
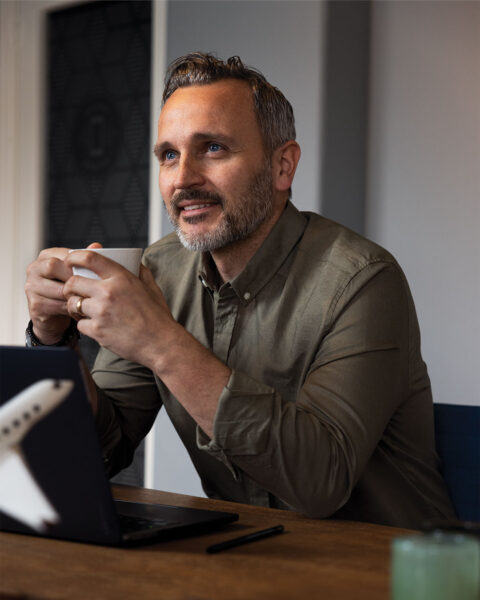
x: 165, y: 187
x: 227, y: 180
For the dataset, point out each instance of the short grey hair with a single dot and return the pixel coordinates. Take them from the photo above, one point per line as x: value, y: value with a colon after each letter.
x: 273, y: 111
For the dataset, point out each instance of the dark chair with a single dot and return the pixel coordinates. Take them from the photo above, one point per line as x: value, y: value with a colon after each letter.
x: 457, y: 431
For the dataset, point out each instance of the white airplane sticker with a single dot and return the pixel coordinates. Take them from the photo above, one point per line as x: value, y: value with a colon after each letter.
x: 20, y: 495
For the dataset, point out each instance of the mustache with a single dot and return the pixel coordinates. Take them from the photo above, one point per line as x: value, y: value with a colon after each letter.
x: 196, y: 195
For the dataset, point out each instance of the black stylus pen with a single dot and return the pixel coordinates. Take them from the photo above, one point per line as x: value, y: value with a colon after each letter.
x: 245, y: 539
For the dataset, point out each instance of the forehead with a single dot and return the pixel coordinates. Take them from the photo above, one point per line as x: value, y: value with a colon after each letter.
x: 226, y: 106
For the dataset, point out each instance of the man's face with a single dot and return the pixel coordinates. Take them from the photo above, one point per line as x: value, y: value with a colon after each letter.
x: 214, y: 177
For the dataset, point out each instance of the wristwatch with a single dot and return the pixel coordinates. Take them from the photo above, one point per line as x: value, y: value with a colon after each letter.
x: 69, y: 338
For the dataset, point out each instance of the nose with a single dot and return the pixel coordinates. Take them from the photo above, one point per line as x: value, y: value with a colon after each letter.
x: 188, y: 173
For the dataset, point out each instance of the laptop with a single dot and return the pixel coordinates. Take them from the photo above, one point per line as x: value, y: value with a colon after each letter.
x: 52, y: 477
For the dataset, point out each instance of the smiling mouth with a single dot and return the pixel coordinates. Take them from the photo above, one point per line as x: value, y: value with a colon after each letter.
x: 197, y: 206
x: 194, y: 214
x: 195, y: 199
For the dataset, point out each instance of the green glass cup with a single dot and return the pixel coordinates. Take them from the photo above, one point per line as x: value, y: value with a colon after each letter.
x: 435, y: 566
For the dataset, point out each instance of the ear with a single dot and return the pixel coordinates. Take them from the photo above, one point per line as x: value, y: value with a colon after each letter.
x: 284, y: 164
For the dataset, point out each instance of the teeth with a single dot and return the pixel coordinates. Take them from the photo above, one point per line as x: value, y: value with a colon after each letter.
x: 195, y: 206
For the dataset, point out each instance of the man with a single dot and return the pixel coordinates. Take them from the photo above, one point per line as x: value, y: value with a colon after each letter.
x: 284, y: 347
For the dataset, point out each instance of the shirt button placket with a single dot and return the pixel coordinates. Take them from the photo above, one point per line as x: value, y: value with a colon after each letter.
x: 225, y: 315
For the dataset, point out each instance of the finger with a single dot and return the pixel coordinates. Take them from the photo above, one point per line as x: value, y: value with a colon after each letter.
x: 46, y: 276
x: 84, y: 326
x: 42, y: 308
x: 50, y: 267
x: 94, y: 245
x: 51, y: 262
x: 77, y: 306
x: 80, y: 286
x: 101, y: 265
x: 146, y: 277
x: 60, y: 253
x: 44, y: 288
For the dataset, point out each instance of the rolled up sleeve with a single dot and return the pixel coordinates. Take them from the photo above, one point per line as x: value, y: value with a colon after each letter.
x: 128, y: 402
x: 310, y: 452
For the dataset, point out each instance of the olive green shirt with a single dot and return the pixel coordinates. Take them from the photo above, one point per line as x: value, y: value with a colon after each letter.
x: 328, y: 409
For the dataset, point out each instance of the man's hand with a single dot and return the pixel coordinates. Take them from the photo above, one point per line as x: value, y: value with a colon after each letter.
x: 44, y: 289
x: 44, y: 285
x: 129, y: 316
x: 124, y: 313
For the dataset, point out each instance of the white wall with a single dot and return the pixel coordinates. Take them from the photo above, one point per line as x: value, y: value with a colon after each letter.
x: 21, y: 125
x: 424, y: 192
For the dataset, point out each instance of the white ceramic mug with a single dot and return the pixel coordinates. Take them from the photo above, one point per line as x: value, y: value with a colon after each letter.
x: 127, y: 257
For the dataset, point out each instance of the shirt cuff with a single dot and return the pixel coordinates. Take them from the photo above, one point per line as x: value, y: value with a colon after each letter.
x: 242, y: 421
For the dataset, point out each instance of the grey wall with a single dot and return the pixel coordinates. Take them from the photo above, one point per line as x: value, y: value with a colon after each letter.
x: 424, y: 175
x: 344, y: 138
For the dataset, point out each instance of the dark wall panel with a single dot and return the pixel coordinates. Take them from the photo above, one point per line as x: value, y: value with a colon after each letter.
x: 99, y: 57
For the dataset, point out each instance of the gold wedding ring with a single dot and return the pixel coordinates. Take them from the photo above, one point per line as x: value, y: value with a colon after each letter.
x: 78, y: 306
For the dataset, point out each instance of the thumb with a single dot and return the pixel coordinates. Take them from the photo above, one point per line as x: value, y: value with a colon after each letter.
x: 147, y: 278
x: 153, y: 289
x: 94, y: 245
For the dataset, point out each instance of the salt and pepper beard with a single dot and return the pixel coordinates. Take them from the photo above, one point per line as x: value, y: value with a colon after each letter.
x: 241, y: 217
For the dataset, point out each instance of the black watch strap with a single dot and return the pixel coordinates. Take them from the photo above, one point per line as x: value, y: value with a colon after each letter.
x: 69, y: 338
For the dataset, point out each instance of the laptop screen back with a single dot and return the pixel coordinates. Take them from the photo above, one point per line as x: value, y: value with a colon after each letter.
x: 61, y: 451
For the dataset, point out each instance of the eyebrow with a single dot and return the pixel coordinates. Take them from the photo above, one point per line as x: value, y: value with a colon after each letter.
x: 159, y: 148
x: 205, y: 136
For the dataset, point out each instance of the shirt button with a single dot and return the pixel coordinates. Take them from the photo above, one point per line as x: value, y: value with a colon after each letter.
x: 247, y: 295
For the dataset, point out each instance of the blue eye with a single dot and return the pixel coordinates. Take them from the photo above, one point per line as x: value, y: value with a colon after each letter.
x: 170, y: 155
x: 214, y: 147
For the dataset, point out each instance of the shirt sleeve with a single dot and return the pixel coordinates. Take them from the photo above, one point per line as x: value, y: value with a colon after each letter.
x: 128, y: 402
x: 311, y: 451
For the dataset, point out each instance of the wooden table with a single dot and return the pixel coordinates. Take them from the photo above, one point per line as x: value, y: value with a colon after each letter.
x: 313, y: 559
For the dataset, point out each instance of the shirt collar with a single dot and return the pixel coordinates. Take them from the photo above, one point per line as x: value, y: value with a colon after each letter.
x: 265, y: 262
